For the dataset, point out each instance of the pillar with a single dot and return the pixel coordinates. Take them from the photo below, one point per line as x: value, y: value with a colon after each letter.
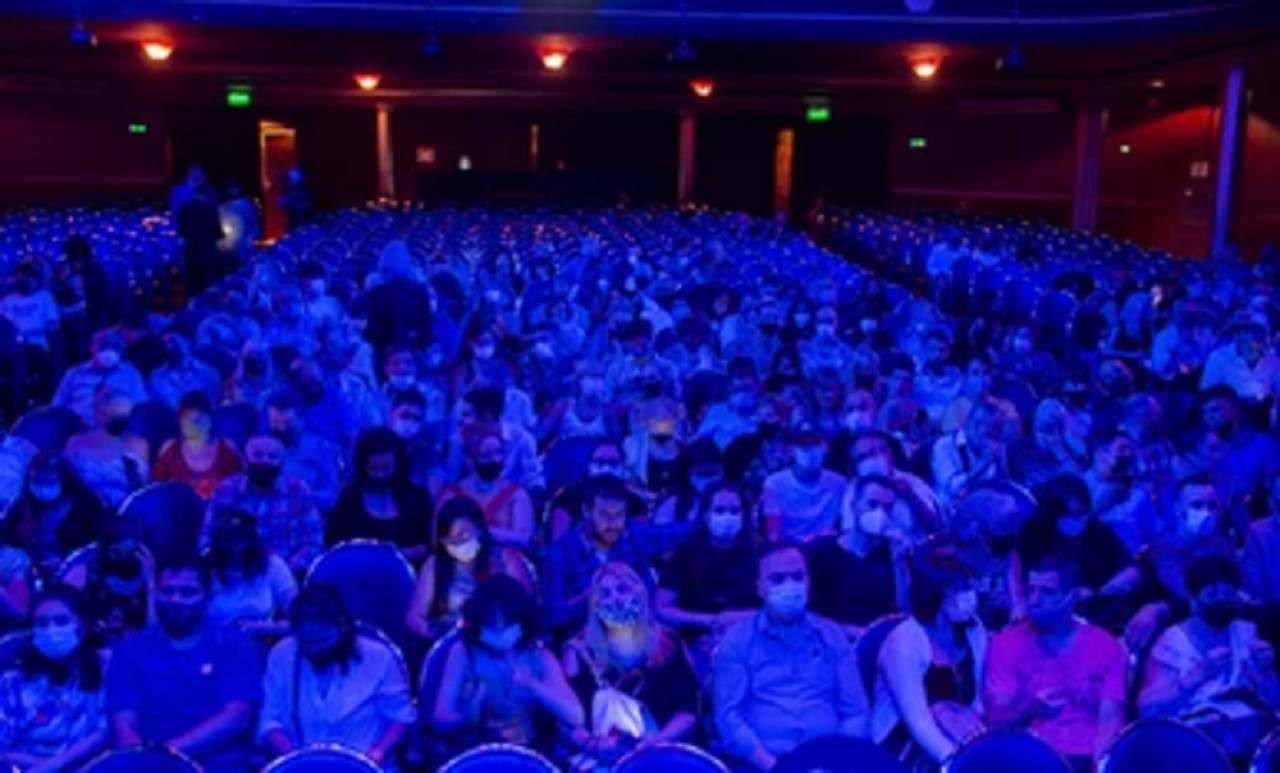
x: 1230, y: 157
x: 1091, y: 126
x: 386, y: 154
x: 685, y: 181
x: 783, y: 157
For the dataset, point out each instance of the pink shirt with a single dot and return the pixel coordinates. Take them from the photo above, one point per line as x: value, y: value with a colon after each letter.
x: 1090, y: 671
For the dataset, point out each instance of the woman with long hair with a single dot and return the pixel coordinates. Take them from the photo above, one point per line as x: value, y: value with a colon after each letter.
x: 464, y: 557
x: 51, y: 701
x: 252, y: 586
x: 633, y: 677
x: 381, y: 503
x: 56, y: 513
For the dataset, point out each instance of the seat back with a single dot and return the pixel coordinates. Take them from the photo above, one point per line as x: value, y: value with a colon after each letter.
x: 1166, y: 746
x: 565, y: 462
x: 1008, y: 750
x: 155, y: 423
x: 12, y: 645
x: 135, y: 759
x: 1267, y: 758
x: 323, y: 758
x: 374, y: 579
x: 169, y: 517
x: 867, y: 648
x: 669, y: 758
x: 499, y: 757
x: 839, y: 754
x: 235, y: 422
x: 49, y: 427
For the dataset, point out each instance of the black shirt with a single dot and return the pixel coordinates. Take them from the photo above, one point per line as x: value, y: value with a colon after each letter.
x: 711, y: 581
x: 848, y: 589
x: 1097, y: 551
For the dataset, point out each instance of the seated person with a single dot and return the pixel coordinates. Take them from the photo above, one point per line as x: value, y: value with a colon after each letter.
x: 566, y: 505
x: 605, y: 535
x: 186, y: 683
x: 1063, y: 525
x: 465, y: 556
x: 252, y: 586
x: 709, y: 585
x: 55, y: 515
x: 633, y: 676
x: 861, y: 575
x: 196, y: 458
x: 802, y: 501
x: 784, y: 676
x: 327, y: 683
x: 118, y: 579
x: 110, y: 461
x: 498, y: 682
x: 1212, y: 671
x: 927, y: 698
x: 51, y: 713
x: 984, y: 532
x: 1056, y: 675
x: 507, y: 506
x: 381, y: 503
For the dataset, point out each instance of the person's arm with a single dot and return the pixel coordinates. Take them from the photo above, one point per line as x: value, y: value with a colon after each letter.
x: 82, y: 750
x: 395, y: 707
x: 1165, y: 689
x: 1008, y: 702
x: 732, y: 684
x: 454, y: 711
x: 561, y: 608
x: 664, y: 606
x: 277, y: 697
x: 904, y: 675
x: 124, y: 725
x: 417, y: 620
x: 514, y: 566
x: 551, y: 690
x: 851, y: 698
x: 1112, y: 709
x: 1124, y: 583
x: 520, y: 533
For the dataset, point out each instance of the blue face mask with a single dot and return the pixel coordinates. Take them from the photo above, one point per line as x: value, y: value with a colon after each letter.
x: 501, y: 639
x: 787, y: 600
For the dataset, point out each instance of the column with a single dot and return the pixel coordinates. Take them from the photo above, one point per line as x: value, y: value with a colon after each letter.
x: 783, y: 156
x: 685, y: 191
x: 386, y: 155
x: 1091, y: 126
x: 1230, y: 157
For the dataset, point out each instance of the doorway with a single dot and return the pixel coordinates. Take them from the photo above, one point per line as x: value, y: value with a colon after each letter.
x: 279, y: 155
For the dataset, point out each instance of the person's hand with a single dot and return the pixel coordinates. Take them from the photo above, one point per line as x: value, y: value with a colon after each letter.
x: 520, y: 675
x: 1211, y: 665
x: 1141, y: 630
x: 726, y: 620
x: 1049, y: 703
x: 763, y: 760
x: 960, y: 723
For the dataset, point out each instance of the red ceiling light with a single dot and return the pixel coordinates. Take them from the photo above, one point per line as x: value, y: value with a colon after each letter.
x: 703, y: 87
x: 368, y: 81
x: 924, y: 68
x: 157, y: 51
x: 554, y: 59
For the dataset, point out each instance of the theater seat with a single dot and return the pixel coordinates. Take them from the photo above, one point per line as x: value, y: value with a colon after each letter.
x: 506, y: 758
x: 1006, y: 751
x: 839, y: 754
x: 12, y: 646
x: 1166, y: 746
x: 140, y: 759
x: 49, y: 427
x: 323, y: 759
x: 376, y: 582
x: 669, y: 758
x: 169, y: 517
x: 1267, y: 759
x: 235, y: 422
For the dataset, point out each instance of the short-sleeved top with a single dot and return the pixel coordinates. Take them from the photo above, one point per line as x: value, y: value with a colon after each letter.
x: 31, y: 315
x: 665, y: 689
x: 172, y: 466
x: 256, y: 599
x: 806, y: 510
x: 709, y: 580
x: 1097, y: 551
x: 847, y: 588
x: 173, y: 690
x: 44, y: 719
x: 1089, y: 671
x: 1176, y: 650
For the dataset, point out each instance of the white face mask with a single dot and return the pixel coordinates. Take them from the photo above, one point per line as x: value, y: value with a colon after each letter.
x: 787, y: 600
x: 961, y: 607
x: 1201, y: 521
x: 464, y: 552
x: 873, y: 522
x: 401, y: 381
x: 405, y: 428
x: 107, y: 359
x: 484, y: 351
x: 724, y: 526
x: 55, y: 641
x: 875, y: 465
x: 857, y: 421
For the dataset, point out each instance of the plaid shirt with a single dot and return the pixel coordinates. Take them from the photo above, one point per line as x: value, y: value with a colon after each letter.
x: 287, y: 517
x: 570, y: 562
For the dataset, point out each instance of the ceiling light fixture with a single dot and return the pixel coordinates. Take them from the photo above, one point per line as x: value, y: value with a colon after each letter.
x: 157, y: 51
x: 368, y: 81
x: 703, y: 87
x: 554, y: 59
x: 925, y: 68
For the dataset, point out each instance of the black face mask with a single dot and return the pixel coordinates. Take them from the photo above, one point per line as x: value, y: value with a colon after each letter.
x: 263, y: 474
x: 653, y: 390
x: 1001, y: 545
x: 117, y: 426
x: 378, y: 485
x: 127, y: 568
x: 1220, y: 614
x: 179, y: 620
x: 488, y: 471
x: 1078, y: 400
x: 255, y: 365
x: 770, y: 329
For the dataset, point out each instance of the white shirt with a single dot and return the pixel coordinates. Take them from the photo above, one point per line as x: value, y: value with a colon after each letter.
x: 352, y: 709
x: 1226, y: 366
x: 256, y: 599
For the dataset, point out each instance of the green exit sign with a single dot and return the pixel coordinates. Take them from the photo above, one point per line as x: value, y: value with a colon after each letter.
x: 137, y: 128
x: 817, y: 114
x: 239, y: 96
x: 918, y: 143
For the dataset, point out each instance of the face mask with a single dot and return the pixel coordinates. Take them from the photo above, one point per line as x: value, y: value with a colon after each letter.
x: 592, y: 387
x: 1201, y: 521
x: 787, y: 600
x: 724, y: 527
x: 543, y: 350
x: 463, y: 552
x: 322, y: 651
x: 488, y: 471
x: 801, y: 320
x: 742, y: 400
x: 484, y: 352
x: 316, y: 286
x: 55, y: 642
x: 961, y: 608
x: 826, y: 330
x: 605, y: 468
x: 857, y: 421
x: 653, y: 390
x: 196, y: 428
x: 770, y: 329
x: 769, y: 430
x: 117, y: 426
x: 255, y: 365
x: 46, y: 494
x: 701, y: 482
x: 808, y: 459
x: 178, y: 619
x: 1001, y: 545
x: 875, y: 465
x: 619, y: 614
x: 1072, y: 527
x: 1220, y: 614
x: 501, y: 639
x: 1022, y: 346
x: 401, y: 382
x: 873, y: 522
x: 263, y: 474
x: 406, y: 428
x: 107, y: 359
x: 378, y: 485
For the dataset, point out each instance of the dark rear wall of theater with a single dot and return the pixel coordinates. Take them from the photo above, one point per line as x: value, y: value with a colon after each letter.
x: 65, y: 148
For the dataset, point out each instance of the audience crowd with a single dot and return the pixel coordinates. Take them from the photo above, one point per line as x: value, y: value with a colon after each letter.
x: 661, y: 476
